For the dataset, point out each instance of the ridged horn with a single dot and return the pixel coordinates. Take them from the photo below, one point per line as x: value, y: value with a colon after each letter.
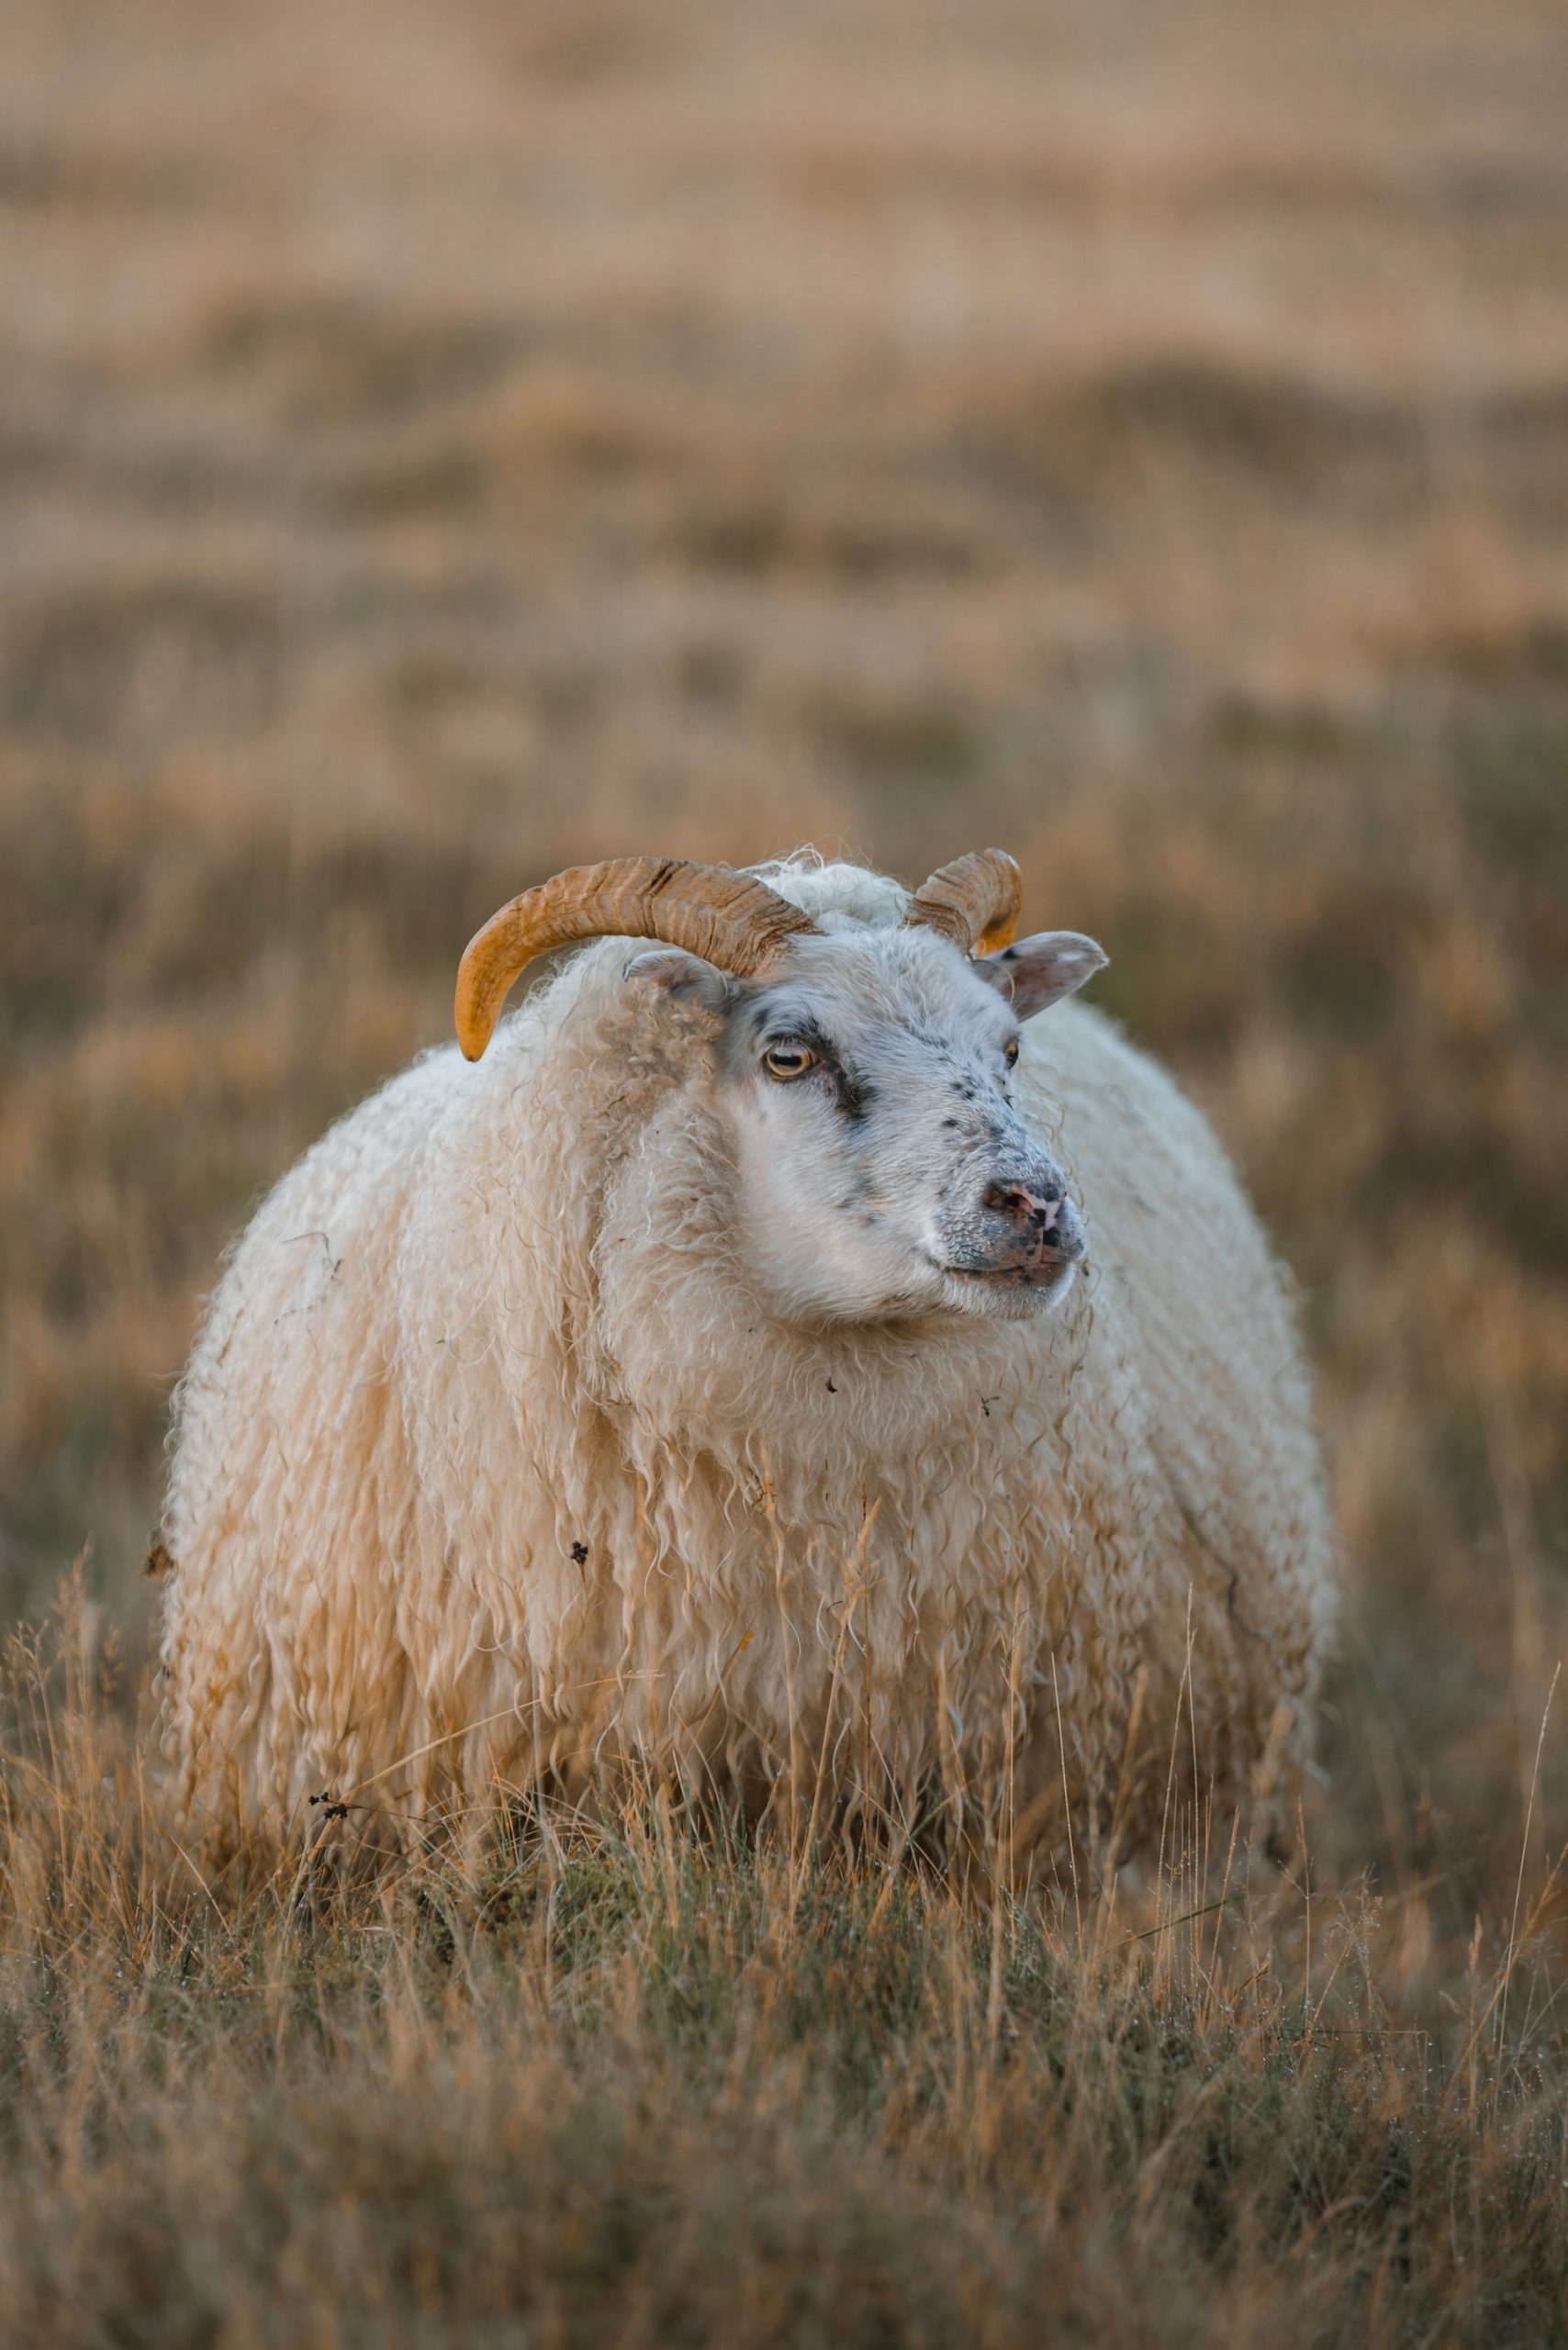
x: 730, y: 919
x: 975, y: 901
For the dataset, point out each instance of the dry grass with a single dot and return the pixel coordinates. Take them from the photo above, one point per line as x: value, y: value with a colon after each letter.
x: 645, y: 2081
x: 439, y: 445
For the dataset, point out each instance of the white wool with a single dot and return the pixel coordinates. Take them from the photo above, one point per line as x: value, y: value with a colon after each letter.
x: 492, y: 1464
x: 837, y: 897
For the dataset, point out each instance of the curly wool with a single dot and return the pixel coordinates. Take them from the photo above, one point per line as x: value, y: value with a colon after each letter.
x: 491, y: 1468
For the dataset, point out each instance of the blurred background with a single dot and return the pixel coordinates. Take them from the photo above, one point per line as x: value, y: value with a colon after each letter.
x: 439, y: 443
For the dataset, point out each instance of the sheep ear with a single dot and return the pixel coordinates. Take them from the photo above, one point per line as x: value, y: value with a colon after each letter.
x: 1040, y: 971
x: 687, y: 978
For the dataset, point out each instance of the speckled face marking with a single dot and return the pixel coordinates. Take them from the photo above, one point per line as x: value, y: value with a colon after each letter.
x: 885, y: 1169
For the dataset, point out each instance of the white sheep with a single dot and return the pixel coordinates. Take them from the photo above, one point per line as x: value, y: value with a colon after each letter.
x: 700, y: 1384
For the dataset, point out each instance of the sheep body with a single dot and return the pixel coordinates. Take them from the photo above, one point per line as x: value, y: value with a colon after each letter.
x: 489, y: 1467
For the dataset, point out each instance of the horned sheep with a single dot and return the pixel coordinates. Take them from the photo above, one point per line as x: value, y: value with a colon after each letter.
x: 716, y: 1378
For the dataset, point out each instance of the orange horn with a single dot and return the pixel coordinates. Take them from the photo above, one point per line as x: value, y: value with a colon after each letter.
x: 731, y: 919
x: 975, y: 901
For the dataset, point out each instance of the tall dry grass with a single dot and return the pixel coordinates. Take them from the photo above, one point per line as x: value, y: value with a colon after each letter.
x: 438, y: 445
x: 644, y: 2079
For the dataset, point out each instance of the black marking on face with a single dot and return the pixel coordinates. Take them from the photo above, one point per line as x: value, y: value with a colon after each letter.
x: 854, y: 1094
x: 580, y: 1554
x: 806, y: 1032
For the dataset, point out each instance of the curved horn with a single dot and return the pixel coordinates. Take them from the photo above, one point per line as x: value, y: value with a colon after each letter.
x: 975, y: 901
x: 730, y: 919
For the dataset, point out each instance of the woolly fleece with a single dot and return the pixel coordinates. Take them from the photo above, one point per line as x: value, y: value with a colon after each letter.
x: 489, y: 1469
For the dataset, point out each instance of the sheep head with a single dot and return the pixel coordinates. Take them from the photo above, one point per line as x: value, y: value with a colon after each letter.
x: 865, y: 1074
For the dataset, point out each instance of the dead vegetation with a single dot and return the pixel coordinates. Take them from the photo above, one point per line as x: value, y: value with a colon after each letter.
x: 436, y: 447
x: 647, y: 2078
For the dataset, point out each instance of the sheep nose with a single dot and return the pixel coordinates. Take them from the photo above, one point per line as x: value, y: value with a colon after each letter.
x: 1039, y: 1215
x: 1024, y: 1205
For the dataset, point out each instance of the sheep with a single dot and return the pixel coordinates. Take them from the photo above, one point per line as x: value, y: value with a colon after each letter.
x: 713, y: 1378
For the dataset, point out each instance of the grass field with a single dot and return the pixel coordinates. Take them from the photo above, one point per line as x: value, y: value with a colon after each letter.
x: 437, y: 445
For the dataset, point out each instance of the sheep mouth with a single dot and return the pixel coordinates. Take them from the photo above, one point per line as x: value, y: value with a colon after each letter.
x: 1043, y: 1277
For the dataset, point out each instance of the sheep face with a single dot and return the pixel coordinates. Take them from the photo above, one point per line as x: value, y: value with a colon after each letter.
x: 885, y: 1169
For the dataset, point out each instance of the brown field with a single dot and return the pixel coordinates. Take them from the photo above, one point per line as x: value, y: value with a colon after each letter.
x: 437, y: 444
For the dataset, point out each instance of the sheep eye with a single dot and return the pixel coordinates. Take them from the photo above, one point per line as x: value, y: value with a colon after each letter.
x: 785, y: 1061
x: 1010, y: 1051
